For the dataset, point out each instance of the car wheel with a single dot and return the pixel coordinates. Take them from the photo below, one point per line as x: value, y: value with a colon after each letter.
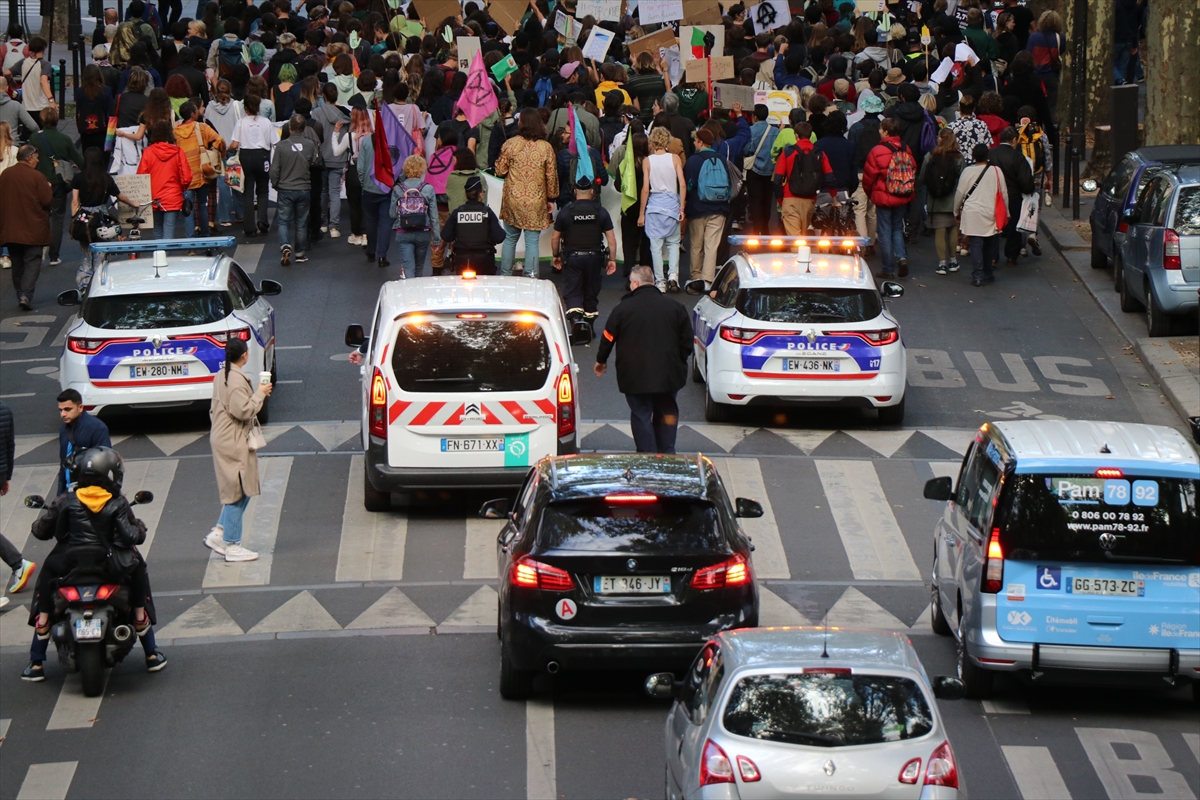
x: 697, y: 375
x: 264, y: 413
x: 1157, y: 322
x: 937, y: 620
x: 1128, y: 302
x: 373, y: 499
x: 714, y: 411
x: 892, y: 415
x: 978, y: 682
x: 1099, y: 260
x: 515, y: 684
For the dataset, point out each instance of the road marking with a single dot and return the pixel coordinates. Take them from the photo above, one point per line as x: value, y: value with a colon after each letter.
x: 18, y: 394
x: 945, y: 469
x: 1035, y: 773
x: 541, y: 778
x: 743, y: 478
x: 855, y: 610
x: 1022, y: 378
x: 332, y: 434
x: 171, y: 443
x: 1114, y: 771
x: 4, y: 723
x: 393, y: 610
x: 302, y: 613
x: 479, y: 559
x: 478, y: 610
x: 48, y: 781
x: 14, y: 627
x: 206, y: 618
x: 27, y: 444
x: 883, y: 442
x: 874, y: 544
x: 157, y: 477
x: 372, y: 544
x: 805, y: 441
x: 294, y: 347
x: 260, y: 527
x: 247, y: 256
x: 15, y: 518
x: 774, y: 611
x: 73, y: 709
x: 287, y: 382
x: 726, y: 437
x: 1002, y: 705
x: 27, y: 361
x: 1192, y: 740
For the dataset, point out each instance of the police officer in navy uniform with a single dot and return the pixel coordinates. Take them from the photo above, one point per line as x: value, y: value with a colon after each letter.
x: 474, y: 231
x: 578, y: 246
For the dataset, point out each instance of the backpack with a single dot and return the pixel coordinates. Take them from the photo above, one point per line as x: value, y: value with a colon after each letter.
x: 543, y: 88
x: 804, y: 178
x: 229, y: 55
x: 901, y: 178
x: 713, y: 184
x: 412, y: 210
x: 1033, y: 147
x: 867, y: 140
x: 942, y: 178
x: 929, y: 133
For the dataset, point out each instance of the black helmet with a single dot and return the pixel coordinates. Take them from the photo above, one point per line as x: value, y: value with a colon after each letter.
x: 98, y: 466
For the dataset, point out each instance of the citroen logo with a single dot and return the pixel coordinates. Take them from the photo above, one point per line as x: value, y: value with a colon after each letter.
x: 829, y: 768
x: 631, y: 565
x: 811, y: 336
x: 1108, y: 541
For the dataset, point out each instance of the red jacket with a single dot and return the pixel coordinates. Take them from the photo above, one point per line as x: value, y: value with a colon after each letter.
x: 995, y: 126
x: 783, y: 168
x: 169, y: 174
x: 826, y: 90
x: 874, y: 179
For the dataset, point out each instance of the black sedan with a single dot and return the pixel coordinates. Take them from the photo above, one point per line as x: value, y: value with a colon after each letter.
x: 618, y: 561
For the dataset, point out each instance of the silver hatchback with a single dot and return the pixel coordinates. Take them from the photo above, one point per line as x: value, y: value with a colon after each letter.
x: 793, y: 712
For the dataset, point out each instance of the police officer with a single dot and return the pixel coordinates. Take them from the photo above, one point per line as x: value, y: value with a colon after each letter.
x: 578, y: 245
x: 474, y: 230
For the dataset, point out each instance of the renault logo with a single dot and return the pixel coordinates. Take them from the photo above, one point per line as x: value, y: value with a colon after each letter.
x: 811, y: 335
x: 829, y: 768
x: 156, y: 340
x: 631, y: 565
x: 1108, y: 541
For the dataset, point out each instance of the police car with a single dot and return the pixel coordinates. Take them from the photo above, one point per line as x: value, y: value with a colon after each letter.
x: 467, y: 382
x: 151, y: 332
x: 797, y: 320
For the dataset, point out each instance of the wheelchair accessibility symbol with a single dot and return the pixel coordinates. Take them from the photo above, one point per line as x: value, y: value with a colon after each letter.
x: 1049, y: 578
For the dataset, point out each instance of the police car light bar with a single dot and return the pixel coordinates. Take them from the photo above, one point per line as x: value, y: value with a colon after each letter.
x: 828, y: 243
x: 150, y: 245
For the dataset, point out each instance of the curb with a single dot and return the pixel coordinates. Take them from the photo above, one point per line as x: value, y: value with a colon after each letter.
x: 1179, y: 386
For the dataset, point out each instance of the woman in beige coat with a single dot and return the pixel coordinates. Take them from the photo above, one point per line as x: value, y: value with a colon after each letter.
x: 975, y: 201
x: 234, y: 405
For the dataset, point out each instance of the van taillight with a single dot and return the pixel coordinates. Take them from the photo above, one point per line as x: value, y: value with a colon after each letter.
x: 377, y: 413
x: 565, y: 395
x: 1171, y: 258
x: 993, y: 572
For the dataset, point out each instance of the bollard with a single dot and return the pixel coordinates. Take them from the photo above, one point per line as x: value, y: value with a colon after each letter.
x: 62, y: 85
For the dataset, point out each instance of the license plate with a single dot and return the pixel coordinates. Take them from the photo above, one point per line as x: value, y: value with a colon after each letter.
x: 88, y: 629
x: 159, y: 371
x: 812, y: 365
x: 492, y: 443
x: 1115, y: 587
x: 631, y: 584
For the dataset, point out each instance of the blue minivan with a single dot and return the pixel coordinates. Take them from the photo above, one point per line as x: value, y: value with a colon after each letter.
x: 1070, y: 550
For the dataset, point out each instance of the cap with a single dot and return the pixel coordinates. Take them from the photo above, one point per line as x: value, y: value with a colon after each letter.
x: 100, y: 52
x: 358, y: 101
x: 586, y: 184
x: 841, y: 87
x: 568, y: 69
x: 474, y: 184
x: 705, y: 136
x: 894, y: 76
x: 871, y: 104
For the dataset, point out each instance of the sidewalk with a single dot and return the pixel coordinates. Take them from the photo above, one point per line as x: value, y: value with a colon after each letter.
x: 1171, y: 361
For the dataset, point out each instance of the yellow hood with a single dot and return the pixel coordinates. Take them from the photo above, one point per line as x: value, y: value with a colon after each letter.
x: 94, y: 497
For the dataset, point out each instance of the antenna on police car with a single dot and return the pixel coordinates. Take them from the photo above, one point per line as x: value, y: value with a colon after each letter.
x: 825, y: 631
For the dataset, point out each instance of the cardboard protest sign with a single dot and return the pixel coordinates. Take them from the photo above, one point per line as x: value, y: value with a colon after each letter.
x: 600, y: 9
x: 779, y: 104
x: 704, y: 12
x: 697, y: 70
x: 870, y: 6
x: 137, y: 189
x: 660, y: 11
x: 651, y: 43
x: 508, y: 13
x: 436, y: 11
x: 726, y: 94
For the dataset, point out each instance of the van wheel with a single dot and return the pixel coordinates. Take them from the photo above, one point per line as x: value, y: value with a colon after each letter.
x: 1099, y: 260
x: 1157, y: 322
x: 892, y: 415
x: 937, y: 620
x: 373, y: 499
x: 714, y: 411
x: 977, y: 681
x: 264, y: 413
x: 515, y: 684
x: 1128, y: 303
x: 697, y: 375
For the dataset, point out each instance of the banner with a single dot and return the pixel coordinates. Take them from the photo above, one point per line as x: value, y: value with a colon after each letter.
x: 600, y: 9
x: 660, y: 11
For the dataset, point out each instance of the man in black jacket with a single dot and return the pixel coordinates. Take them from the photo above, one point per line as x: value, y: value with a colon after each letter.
x: 655, y: 336
x: 1018, y: 176
x: 79, y: 431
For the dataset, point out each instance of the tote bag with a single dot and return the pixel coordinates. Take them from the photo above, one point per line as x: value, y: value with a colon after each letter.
x: 1001, y: 206
x: 1028, y: 220
x: 110, y: 134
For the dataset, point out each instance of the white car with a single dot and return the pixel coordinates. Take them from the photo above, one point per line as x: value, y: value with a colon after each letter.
x: 466, y: 381
x: 151, y: 332
x: 797, y: 320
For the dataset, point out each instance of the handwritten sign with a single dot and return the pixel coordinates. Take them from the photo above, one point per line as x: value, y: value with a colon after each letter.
x: 697, y: 70
x: 769, y: 15
x: 870, y: 6
x: 670, y: 57
x: 598, y: 42
x: 779, y: 105
x: 137, y: 189
x: 660, y: 11
x: 468, y: 51
x: 565, y: 25
x: 704, y: 12
x: 726, y: 94
x: 600, y: 9
x: 651, y: 44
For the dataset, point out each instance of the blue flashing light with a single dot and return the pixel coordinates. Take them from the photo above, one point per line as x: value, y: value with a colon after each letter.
x: 168, y: 245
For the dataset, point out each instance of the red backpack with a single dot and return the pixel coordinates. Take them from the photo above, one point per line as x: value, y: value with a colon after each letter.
x: 901, y: 180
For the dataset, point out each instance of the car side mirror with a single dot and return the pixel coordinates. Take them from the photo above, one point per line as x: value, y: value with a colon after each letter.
x: 747, y: 508
x: 662, y: 686
x: 695, y: 287
x: 947, y: 688
x: 143, y: 497
x: 35, y: 501
x: 355, y: 336
x: 270, y: 288
x: 71, y: 297
x: 494, y: 509
x: 939, y: 488
x: 891, y: 290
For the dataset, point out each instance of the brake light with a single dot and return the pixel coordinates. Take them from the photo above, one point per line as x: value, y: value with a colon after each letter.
x: 1109, y: 472
x: 468, y: 274
x: 734, y: 572
x: 1122, y: 227
x: 714, y: 765
x: 942, y: 770
x: 533, y: 574
x: 749, y: 336
x: 910, y: 771
x: 748, y: 770
x: 1171, y: 258
x: 377, y: 413
x: 107, y: 590
x: 69, y: 593
x: 566, y: 403
x: 877, y: 338
x: 89, y: 347
x: 827, y: 671
x: 472, y: 316
x: 993, y: 576
x: 631, y: 498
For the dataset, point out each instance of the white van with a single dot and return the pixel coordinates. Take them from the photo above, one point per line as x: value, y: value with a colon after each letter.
x: 467, y: 382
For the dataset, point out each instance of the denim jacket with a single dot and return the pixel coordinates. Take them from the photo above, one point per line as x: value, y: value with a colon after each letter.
x: 763, y: 163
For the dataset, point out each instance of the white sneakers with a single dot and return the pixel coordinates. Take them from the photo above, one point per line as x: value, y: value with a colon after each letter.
x: 334, y: 233
x: 215, y: 541
x: 235, y: 552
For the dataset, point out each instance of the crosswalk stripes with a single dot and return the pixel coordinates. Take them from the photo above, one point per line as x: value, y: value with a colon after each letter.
x: 372, y: 544
x: 805, y: 441
x: 156, y: 477
x: 15, y: 518
x: 48, y: 781
x: 301, y: 613
x: 774, y: 611
x: 1005, y: 705
x: 393, y: 610
x: 743, y: 478
x: 855, y: 610
x: 4, y: 723
x: 260, y: 526
x: 479, y: 610
x: 73, y: 709
x: 479, y: 560
x: 1192, y: 740
x: 883, y: 442
x: 28, y: 443
x: 1035, y: 773
x: 206, y: 618
x: 14, y: 628
x: 872, y: 538
x: 247, y: 256
x: 945, y: 469
x: 172, y: 443
x: 331, y: 435
x: 955, y: 439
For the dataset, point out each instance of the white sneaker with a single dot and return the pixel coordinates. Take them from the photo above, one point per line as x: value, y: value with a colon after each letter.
x: 324, y: 229
x: 5, y: 262
x: 215, y: 541
x: 235, y: 552
x: 334, y: 233
x: 662, y: 286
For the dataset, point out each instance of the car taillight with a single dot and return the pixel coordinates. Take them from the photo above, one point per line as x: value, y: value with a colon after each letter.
x: 714, y: 765
x: 734, y: 572
x: 827, y: 671
x: 877, y: 338
x: 219, y: 338
x: 1171, y: 258
x: 911, y: 771
x: 565, y: 394
x: 748, y: 770
x: 69, y: 593
x: 533, y: 574
x: 993, y: 576
x: 377, y: 412
x: 748, y: 336
x: 1122, y: 227
x: 942, y: 770
x: 1109, y: 472
x: 107, y: 590
x: 89, y: 347
x: 621, y: 499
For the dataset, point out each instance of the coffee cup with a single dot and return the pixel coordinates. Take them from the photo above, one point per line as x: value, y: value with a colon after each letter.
x: 264, y: 379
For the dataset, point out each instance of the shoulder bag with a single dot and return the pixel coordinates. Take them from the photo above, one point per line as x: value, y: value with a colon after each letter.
x: 211, y: 164
x: 255, y: 440
x: 971, y: 191
x: 65, y: 170
x: 749, y: 160
x: 1001, y: 209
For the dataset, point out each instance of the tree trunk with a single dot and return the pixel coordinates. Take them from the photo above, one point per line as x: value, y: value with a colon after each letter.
x: 1096, y: 98
x: 1171, y: 56
x: 60, y: 24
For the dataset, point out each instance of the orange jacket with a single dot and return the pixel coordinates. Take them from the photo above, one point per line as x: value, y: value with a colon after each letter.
x: 169, y: 174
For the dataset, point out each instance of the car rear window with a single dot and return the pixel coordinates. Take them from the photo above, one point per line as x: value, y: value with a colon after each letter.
x: 809, y: 305
x: 1187, y: 211
x: 158, y: 310
x: 471, y: 356
x: 1063, y: 517
x: 827, y: 709
x: 666, y: 526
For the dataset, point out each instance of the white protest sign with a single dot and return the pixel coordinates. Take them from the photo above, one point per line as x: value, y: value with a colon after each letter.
x: 137, y: 189
x: 940, y: 74
x: 600, y: 9
x: 769, y: 15
x: 565, y: 25
x: 670, y: 56
x: 779, y: 105
x: 597, y: 44
x: 660, y: 11
x: 468, y: 51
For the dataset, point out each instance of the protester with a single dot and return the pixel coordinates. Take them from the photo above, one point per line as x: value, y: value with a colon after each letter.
x: 290, y: 174
x: 760, y: 168
x: 92, y: 191
x: 708, y: 195
x: 526, y: 203
x: 25, y: 203
x: 197, y: 140
x: 975, y: 203
x: 254, y: 139
x: 800, y: 175
x: 93, y: 106
x: 1047, y: 45
x: 170, y: 176
x: 414, y: 213
x: 58, y: 159
x: 889, y: 179
x: 1018, y: 180
x: 222, y: 115
x: 939, y: 175
x: 330, y: 116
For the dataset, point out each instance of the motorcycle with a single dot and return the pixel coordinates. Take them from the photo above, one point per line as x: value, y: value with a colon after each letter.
x: 92, y: 626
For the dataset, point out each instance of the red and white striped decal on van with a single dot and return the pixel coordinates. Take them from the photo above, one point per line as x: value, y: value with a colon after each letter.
x: 493, y: 412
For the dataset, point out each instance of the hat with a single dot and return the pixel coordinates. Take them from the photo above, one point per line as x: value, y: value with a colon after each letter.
x: 100, y: 52
x: 871, y: 104
x: 841, y: 87
x: 474, y: 184
x: 705, y: 136
x: 894, y: 76
x: 568, y: 69
x: 585, y: 184
x: 358, y: 101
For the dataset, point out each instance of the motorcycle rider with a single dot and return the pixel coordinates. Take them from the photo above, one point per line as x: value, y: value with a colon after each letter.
x: 92, y: 512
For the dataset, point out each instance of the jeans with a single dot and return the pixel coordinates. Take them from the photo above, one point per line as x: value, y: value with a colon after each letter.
x: 164, y: 223
x: 331, y: 196
x: 229, y: 208
x: 656, y: 255
x: 291, y: 217
x: 231, y: 520
x: 508, y: 253
x: 58, y: 213
x: 37, y: 650
x: 984, y: 250
x: 654, y: 421
x: 1123, y: 59
x: 26, y: 266
x: 414, y: 247
x: 254, y: 182
x: 377, y: 222
x: 199, y: 215
x: 889, y: 221
x: 635, y: 247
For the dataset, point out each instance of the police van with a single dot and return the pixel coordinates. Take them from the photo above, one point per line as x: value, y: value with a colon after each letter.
x: 1070, y: 549
x: 466, y: 382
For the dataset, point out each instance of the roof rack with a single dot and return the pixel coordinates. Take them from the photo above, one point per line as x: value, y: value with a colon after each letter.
x: 157, y: 246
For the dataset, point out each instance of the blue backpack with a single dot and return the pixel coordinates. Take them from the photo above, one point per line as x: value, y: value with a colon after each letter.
x: 543, y: 88
x: 229, y: 55
x: 929, y: 133
x: 712, y: 184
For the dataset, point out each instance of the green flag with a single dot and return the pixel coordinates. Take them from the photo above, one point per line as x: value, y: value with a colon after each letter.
x: 504, y: 67
x: 629, y: 194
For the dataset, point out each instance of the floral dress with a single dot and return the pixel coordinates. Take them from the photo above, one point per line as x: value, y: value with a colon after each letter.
x: 532, y: 181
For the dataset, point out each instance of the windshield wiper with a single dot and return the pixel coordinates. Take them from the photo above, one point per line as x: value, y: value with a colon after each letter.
x: 464, y: 379
x: 826, y: 315
x: 819, y: 738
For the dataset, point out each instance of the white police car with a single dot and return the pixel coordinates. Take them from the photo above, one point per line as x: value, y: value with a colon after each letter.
x: 794, y: 320
x: 151, y: 332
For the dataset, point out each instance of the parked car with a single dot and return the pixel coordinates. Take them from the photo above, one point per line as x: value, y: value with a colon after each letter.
x: 1159, y: 260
